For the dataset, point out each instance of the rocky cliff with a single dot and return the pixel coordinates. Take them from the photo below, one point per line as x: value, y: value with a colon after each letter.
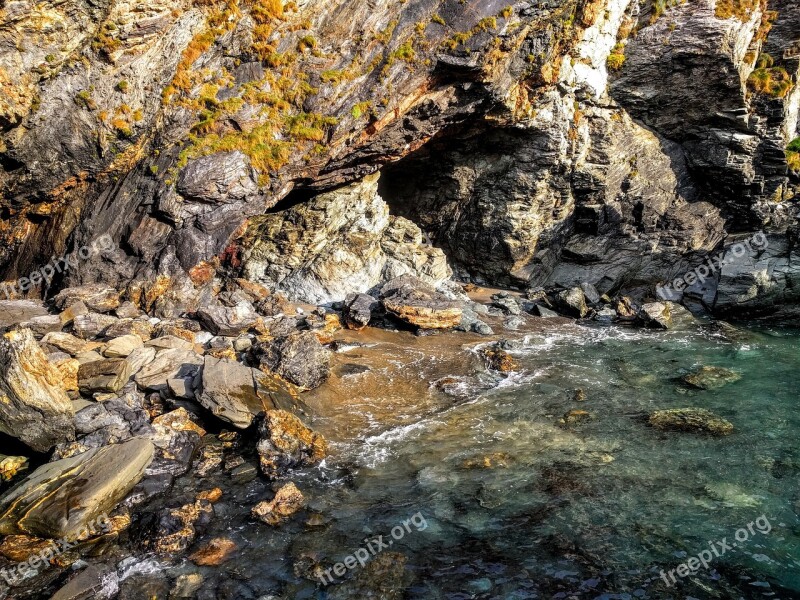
x: 538, y: 143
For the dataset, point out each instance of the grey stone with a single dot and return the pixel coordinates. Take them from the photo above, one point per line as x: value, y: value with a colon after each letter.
x: 228, y: 321
x: 357, y: 310
x: 221, y: 177
x: 122, y: 346
x: 109, y: 375
x: 97, y: 297
x: 168, y: 364
x: 572, y: 302
x: 297, y: 357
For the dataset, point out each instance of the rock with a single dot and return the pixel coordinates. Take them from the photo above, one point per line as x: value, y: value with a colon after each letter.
x: 216, y: 552
x: 168, y: 364
x: 542, y: 311
x: 68, y: 343
x: 506, y: 303
x: 59, y: 498
x: 139, y: 358
x: 499, y: 359
x: 71, y: 312
x: 297, y: 357
x: 287, y: 501
x: 68, y: 369
x: 221, y: 177
x: 20, y: 548
x: 108, y: 375
x: 711, y: 378
x: 10, y: 466
x: 657, y: 315
x: 514, y: 323
x: 382, y: 577
x: 357, y: 310
x: 230, y: 393
x: 169, y: 342
x: 606, y: 315
x: 213, y: 495
x: 97, y: 297
x: 572, y: 302
x: 576, y: 416
x: 127, y: 310
x: 285, y: 443
x: 182, y: 387
x: 696, y: 420
x: 228, y: 321
x: 179, y: 420
x: 92, y: 325
x: 140, y: 328
x: 122, y: 346
x: 186, y: 586
x: 590, y: 293
x: 177, y: 528
x: 33, y: 405
x: 93, y: 583
x: 242, y: 344
x: 413, y: 301
x: 43, y: 324
x: 626, y: 309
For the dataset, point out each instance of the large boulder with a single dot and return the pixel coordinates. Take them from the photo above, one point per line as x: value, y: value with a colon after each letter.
x: 60, y: 498
x: 357, y: 311
x: 572, y: 302
x: 286, y: 443
x: 298, y: 357
x: 97, y: 297
x: 228, y: 321
x: 169, y: 364
x: 33, y: 406
x: 415, y: 302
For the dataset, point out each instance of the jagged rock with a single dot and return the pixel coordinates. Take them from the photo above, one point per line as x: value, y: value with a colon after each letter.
x: 286, y: 443
x: 186, y: 585
x: 228, y: 321
x: 657, y: 315
x: 10, y: 466
x: 297, y: 357
x: 606, y: 315
x: 139, y: 358
x: 287, y: 501
x: 572, y: 302
x: 93, y: 582
x: 68, y: 343
x: 68, y: 369
x: 92, y: 325
x: 33, y: 406
x: 71, y: 312
x: 59, y: 498
x: 230, y: 392
x: 499, y: 359
x: 626, y: 309
x: 357, y: 310
x: 127, y: 310
x: 590, y: 293
x: 711, y: 378
x: 122, y: 347
x: 42, y: 325
x: 169, y: 342
x: 177, y: 528
x: 109, y: 375
x: 413, y: 301
x: 506, y: 303
x: 97, y: 297
x: 215, y: 552
x: 182, y: 387
x: 221, y: 177
x: 695, y: 420
x: 140, y: 328
x: 168, y: 364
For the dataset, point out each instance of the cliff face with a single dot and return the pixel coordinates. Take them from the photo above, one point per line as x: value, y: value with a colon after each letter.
x: 498, y: 132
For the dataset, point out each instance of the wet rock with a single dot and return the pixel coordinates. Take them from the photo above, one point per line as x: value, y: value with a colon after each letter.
x: 244, y: 473
x: 499, y: 359
x: 93, y: 583
x: 711, y: 378
x: 97, y: 297
x: 297, y: 357
x: 179, y: 420
x: 514, y: 323
x: 168, y: 364
x: 382, y: 577
x: 489, y: 461
x: 229, y: 391
x: 542, y: 311
x: 59, y: 498
x: 696, y: 420
x: 10, y: 466
x: 626, y: 309
x: 287, y: 501
x: 228, y: 321
x: 357, y: 311
x: 186, y: 585
x: 33, y: 405
x: 413, y: 301
x: 92, y: 326
x: 286, y: 443
x: 19, y: 548
x: 209, y: 457
x: 656, y: 315
x: 109, y: 375
x: 576, y: 416
x: 177, y: 528
x: 605, y: 315
x: 216, y: 552
x: 572, y: 302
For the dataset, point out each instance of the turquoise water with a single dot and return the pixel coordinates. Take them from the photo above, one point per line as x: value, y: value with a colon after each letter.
x: 518, y: 504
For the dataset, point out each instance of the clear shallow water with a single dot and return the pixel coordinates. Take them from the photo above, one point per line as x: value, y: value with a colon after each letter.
x: 519, y: 504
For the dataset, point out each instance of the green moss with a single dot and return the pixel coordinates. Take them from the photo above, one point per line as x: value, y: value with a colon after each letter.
x: 405, y: 52
x: 360, y: 109
x: 617, y: 57
x: 85, y: 100
x: 793, y: 155
x: 122, y: 86
x: 774, y: 82
x: 438, y: 19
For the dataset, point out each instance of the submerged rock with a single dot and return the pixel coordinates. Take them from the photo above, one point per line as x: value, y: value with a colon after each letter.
x: 177, y: 528
x: 215, y: 552
x: 382, y: 577
x: 499, y: 359
x: 696, y: 420
x: 286, y: 443
x: 95, y: 582
x: 287, y: 501
x: 34, y: 407
x: 298, y: 357
x: 711, y: 378
x: 60, y: 498
x: 413, y: 301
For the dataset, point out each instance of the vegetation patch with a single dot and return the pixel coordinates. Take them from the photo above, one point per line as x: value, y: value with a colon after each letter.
x: 793, y: 155
x: 769, y: 80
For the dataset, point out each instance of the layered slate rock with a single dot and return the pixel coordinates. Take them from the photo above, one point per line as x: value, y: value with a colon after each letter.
x: 298, y: 357
x: 357, y: 310
x: 230, y: 392
x: 60, y: 498
x: 33, y: 406
x: 96, y: 297
x: 228, y: 321
x: 286, y: 443
x: 169, y: 364
x: 413, y: 301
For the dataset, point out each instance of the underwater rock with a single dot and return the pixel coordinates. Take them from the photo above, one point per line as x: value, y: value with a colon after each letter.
x: 286, y: 443
x: 711, y: 378
x: 382, y: 577
x: 696, y: 420
x: 216, y: 552
x: 287, y: 501
x: 499, y: 359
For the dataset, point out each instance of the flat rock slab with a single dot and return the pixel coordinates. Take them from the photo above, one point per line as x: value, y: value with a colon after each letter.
x: 415, y: 302
x: 13, y: 312
x: 34, y: 407
x: 168, y: 364
x: 60, y: 498
x: 711, y: 378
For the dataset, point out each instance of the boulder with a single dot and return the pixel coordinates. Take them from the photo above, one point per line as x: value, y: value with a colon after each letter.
x: 221, y: 177
x: 168, y: 364
x: 286, y: 443
x: 92, y: 325
x: 43, y: 324
x: 60, y: 498
x: 542, y: 311
x: 657, y: 315
x: 230, y: 392
x: 140, y: 328
x: 33, y: 404
x: 711, y: 378
x: 109, y: 375
x: 297, y: 357
x: 169, y: 342
x: 287, y: 501
x: 92, y: 583
x: 591, y: 294
x: 97, y: 297
x: 696, y: 420
x: 572, y: 302
x: 415, y: 302
x: 76, y: 309
x: 357, y: 311
x: 66, y: 342
x: 228, y: 321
